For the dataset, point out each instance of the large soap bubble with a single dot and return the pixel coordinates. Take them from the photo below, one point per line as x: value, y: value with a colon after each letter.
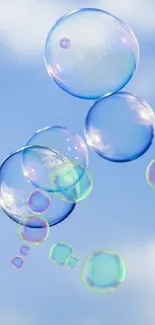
x: 16, y: 186
x: 89, y: 53
x: 120, y: 128
x: 103, y: 271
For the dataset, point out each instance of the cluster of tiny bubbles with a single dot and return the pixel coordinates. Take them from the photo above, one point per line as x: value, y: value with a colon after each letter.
x: 100, y: 57
x: 103, y: 271
x: 62, y: 253
x: 21, y: 175
x: 72, y: 182
x: 35, y: 235
x: 150, y: 173
x: 17, y: 262
x: 120, y: 128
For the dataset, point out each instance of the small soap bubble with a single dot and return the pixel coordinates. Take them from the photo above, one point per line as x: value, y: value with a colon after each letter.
x: 72, y: 261
x: 60, y: 252
x: 24, y: 250
x: 17, y: 262
x: 65, y: 43
x: 39, y: 201
x: 37, y: 234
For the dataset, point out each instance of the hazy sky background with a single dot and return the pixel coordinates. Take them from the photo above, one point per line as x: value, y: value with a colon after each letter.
x: 119, y: 214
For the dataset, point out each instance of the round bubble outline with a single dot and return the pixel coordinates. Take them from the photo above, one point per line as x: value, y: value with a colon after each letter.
x: 136, y: 156
x: 45, y: 193
x: 103, y: 290
x: 33, y: 243
x: 16, y: 268
x: 126, y: 26
x: 29, y: 250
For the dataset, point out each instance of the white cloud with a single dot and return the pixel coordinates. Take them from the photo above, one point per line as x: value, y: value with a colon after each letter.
x: 25, y: 24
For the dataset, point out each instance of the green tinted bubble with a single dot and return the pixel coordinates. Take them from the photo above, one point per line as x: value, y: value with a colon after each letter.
x: 60, y: 252
x: 72, y: 182
x: 103, y: 271
x: 150, y: 173
x: 72, y: 261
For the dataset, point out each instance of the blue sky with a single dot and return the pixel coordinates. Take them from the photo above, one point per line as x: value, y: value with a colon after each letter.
x: 119, y: 214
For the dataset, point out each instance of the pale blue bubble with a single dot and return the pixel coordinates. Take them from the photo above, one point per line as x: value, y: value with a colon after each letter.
x: 120, y: 127
x: 101, y: 58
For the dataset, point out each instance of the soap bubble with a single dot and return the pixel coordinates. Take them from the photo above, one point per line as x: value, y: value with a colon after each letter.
x: 150, y: 174
x: 24, y: 250
x: 72, y: 261
x: 16, y: 186
x: 65, y: 43
x: 101, y: 58
x: 120, y: 128
x: 39, y: 201
x: 67, y: 182
x: 17, y: 262
x: 60, y: 252
x: 103, y: 271
x: 35, y: 235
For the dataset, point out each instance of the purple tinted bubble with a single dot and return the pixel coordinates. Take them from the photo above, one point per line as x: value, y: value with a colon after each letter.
x: 39, y: 202
x: 65, y: 43
x: 24, y: 250
x: 17, y: 262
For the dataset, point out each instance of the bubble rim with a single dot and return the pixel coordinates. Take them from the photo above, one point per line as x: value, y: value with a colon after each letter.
x: 75, y: 258
x: 147, y: 174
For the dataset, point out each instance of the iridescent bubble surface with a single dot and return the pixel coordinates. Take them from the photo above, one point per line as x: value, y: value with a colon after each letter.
x: 60, y: 252
x: 16, y: 186
x: 39, y: 201
x: 67, y: 182
x: 24, y: 250
x: 17, y: 262
x: 101, y: 59
x: 35, y: 235
x: 120, y: 128
x: 150, y: 173
x: 72, y: 261
x: 103, y: 271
